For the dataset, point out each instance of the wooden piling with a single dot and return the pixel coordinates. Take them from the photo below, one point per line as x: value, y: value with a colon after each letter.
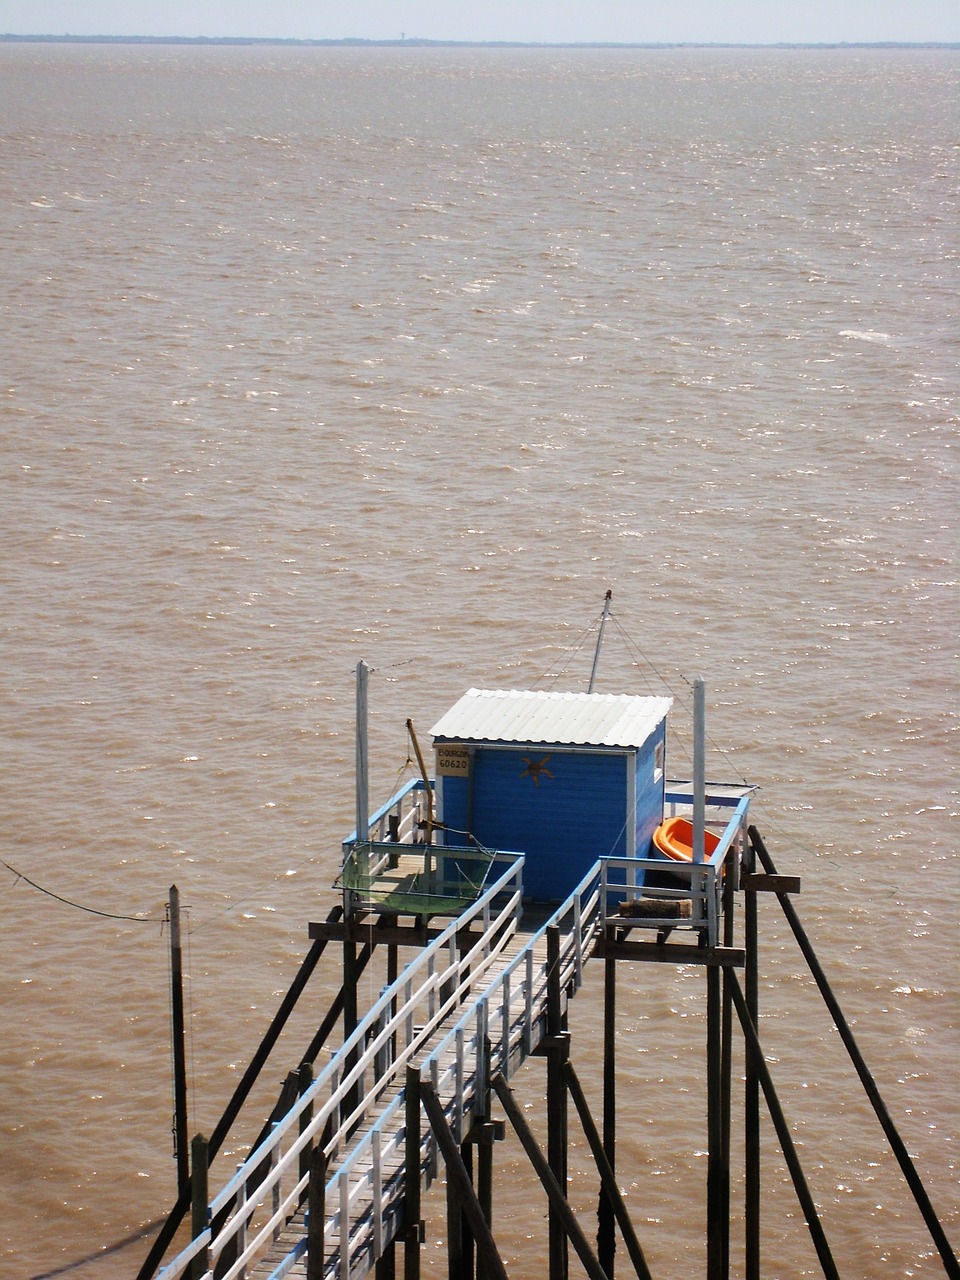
x: 555, y: 1192
x: 316, y: 1212
x: 907, y: 1167
x: 607, y: 1176
x: 462, y: 1187
x: 386, y: 1264
x: 726, y: 1068
x: 199, y: 1161
x: 606, y: 1238
x: 714, y: 1128
x: 181, y: 1142
x: 305, y: 1080
x: 807, y: 1204
x: 412, y: 1234
x: 556, y: 1047
x: 751, y: 1085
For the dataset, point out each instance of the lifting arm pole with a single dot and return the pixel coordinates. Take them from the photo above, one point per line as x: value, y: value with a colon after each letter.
x: 603, y: 622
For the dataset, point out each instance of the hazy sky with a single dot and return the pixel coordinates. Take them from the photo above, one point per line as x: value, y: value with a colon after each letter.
x: 749, y: 21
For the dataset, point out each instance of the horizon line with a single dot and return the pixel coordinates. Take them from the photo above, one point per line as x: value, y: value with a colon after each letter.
x: 427, y: 42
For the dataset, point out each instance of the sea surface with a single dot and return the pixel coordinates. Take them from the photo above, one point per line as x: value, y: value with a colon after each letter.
x: 408, y: 355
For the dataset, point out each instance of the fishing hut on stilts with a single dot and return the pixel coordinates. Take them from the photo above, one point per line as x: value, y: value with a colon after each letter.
x: 548, y: 838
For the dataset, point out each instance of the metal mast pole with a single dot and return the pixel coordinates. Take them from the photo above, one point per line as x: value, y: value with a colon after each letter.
x: 603, y: 622
x: 699, y: 769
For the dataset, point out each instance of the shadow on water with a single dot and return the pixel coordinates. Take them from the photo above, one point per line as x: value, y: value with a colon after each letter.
x: 71, y: 1268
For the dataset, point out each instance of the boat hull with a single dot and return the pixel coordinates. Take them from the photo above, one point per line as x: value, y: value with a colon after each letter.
x: 674, y: 840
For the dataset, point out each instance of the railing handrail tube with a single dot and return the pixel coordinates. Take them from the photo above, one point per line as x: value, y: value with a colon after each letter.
x: 470, y: 1011
x: 415, y: 784
x: 186, y: 1255
x: 358, y: 1036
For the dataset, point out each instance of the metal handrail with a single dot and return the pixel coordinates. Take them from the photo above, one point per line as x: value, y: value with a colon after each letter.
x: 390, y: 1013
x: 467, y: 1036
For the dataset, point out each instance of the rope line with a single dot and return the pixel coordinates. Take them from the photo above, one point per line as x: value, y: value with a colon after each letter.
x: 570, y: 653
x: 631, y: 644
x: 142, y: 918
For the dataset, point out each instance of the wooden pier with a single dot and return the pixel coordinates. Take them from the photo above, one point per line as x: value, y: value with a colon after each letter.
x: 335, y: 1182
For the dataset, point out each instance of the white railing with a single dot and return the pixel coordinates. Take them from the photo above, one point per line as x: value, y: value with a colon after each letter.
x: 507, y: 1014
x: 404, y: 807
x: 396, y: 1027
x: 699, y: 883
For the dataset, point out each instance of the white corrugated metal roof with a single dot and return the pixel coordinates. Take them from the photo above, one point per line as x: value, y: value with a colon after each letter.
x: 575, y: 719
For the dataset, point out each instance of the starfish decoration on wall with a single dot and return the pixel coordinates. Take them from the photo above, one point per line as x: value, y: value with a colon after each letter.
x: 536, y: 769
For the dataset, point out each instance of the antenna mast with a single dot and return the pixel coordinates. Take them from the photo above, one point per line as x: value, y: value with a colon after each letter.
x: 603, y: 622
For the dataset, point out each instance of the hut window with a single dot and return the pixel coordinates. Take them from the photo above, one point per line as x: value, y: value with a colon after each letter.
x: 658, y: 761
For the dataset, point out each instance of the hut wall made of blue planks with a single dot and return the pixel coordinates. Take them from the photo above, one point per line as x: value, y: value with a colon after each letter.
x: 562, y: 805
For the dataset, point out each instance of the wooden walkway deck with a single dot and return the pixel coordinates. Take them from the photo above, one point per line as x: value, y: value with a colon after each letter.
x: 472, y: 1001
x: 472, y: 1004
x: 375, y: 1214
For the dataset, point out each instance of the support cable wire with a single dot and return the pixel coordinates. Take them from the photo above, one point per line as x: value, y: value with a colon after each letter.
x: 569, y: 654
x: 239, y: 1097
x: 143, y: 918
x: 949, y: 1258
x: 254, y: 893
x: 756, y: 802
x: 631, y: 644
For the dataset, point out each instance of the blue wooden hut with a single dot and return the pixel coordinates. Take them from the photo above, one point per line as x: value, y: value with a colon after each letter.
x: 564, y: 778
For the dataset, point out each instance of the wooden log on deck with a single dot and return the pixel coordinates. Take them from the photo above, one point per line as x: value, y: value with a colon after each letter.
x: 657, y: 908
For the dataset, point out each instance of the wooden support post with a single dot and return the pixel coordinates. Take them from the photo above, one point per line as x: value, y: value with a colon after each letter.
x: 231, y: 1111
x: 316, y: 1212
x: 305, y: 1075
x: 726, y: 1070
x: 907, y: 1167
x: 751, y: 1085
x: 350, y: 1019
x: 199, y: 1219
x: 485, y: 1133
x: 786, y: 1140
x: 460, y: 1259
x: 456, y: 1267
x: 557, y: 1047
x: 181, y: 1145
x: 469, y: 1249
x: 555, y: 1193
x: 558, y: 1051
x: 485, y: 1176
x: 607, y: 1176
x: 463, y: 1188
x: 393, y: 972
x: 412, y: 1234
x: 714, y: 1129
x: 606, y: 1238
x: 386, y: 1268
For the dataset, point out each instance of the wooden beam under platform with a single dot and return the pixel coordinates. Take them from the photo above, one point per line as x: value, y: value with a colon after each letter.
x: 758, y: 881
x: 619, y: 947
x: 385, y: 929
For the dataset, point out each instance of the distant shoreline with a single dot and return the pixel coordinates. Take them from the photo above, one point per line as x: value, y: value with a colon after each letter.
x: 418, y: 43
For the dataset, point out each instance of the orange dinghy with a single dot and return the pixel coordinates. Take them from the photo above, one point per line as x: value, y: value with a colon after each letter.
x: 674, y: 839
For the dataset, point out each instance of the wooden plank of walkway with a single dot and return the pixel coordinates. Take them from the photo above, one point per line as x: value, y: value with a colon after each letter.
x: 293, y: 1235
